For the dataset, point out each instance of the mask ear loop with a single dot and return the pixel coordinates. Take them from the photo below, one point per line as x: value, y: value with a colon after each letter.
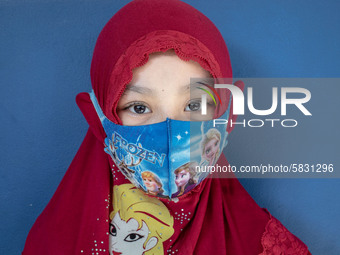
x: 95, y: 103
x: 108, y: 144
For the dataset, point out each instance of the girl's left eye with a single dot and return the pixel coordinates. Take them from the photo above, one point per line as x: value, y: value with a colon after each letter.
x: 193, y: 106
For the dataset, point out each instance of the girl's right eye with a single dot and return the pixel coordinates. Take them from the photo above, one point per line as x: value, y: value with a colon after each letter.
x: 138, y: 108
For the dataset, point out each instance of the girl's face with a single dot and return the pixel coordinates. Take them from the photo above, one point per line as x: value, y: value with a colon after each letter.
x: 161, y: 89
x: 150, y: 184
x: 211, y: 148
x: 182, y: 178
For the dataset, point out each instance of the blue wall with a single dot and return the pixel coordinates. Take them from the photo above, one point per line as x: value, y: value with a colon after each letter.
x: 45, y: 55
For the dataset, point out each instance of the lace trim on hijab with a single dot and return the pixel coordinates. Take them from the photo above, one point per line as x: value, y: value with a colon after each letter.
x: 186, y: 47
x: 277, y: 240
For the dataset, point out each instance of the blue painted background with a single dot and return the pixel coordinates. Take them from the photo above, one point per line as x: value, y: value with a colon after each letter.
x: 45, y: 55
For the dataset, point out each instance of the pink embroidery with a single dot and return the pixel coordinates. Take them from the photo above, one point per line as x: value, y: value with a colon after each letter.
x: 277, y: 240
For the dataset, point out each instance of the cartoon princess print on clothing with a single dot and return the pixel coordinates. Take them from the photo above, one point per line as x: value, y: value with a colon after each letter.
x: 139, y: 223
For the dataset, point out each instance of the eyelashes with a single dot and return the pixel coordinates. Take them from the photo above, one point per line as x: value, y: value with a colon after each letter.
x: 140, y: 108
x: 196, y: 104
x: 137, y: 108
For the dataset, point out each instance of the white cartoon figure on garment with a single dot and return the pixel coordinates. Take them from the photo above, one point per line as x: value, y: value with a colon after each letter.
x: 139, y: 223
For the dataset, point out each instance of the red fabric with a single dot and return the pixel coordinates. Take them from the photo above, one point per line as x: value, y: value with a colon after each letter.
x: 278, y: 240
x: 218, y: 216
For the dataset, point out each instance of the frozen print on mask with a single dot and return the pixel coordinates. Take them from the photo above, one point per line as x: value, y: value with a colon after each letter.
x: 139, y: 223
x: 152, y: 183
x: 210, y: 151
x: 123, y: 163
x: 149, y: 155
x: 185, y: 178
x: 211, y: 146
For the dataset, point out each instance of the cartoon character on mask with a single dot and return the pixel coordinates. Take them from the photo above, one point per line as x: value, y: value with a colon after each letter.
x: 185, y: 178
x: 152, y: 183
x: 211, y: 147
x: 139, y: 223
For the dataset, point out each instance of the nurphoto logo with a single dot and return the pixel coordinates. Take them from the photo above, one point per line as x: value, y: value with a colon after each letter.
x: 239, y: 105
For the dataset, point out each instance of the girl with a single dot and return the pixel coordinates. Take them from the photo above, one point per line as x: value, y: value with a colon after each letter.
x: 138, y: 83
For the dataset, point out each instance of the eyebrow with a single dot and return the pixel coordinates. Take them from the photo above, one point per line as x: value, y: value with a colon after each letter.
x: 205, y: 82
x: 138, y: 89
x: 145, y: 90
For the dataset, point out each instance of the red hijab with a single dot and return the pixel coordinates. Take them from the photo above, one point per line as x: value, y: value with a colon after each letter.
x: 218, y: 216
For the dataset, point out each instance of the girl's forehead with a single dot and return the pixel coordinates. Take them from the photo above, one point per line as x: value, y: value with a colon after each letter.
x: 165, y: 70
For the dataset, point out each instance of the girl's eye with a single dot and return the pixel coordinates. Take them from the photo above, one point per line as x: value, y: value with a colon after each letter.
x: 207, y: 151
x: 113, y: 230
x: 133, y: 237
x: 138, y: 108
x: 193, y: 106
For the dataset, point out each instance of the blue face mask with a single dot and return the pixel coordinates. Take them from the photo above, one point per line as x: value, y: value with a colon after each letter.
x: 166, y: 159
